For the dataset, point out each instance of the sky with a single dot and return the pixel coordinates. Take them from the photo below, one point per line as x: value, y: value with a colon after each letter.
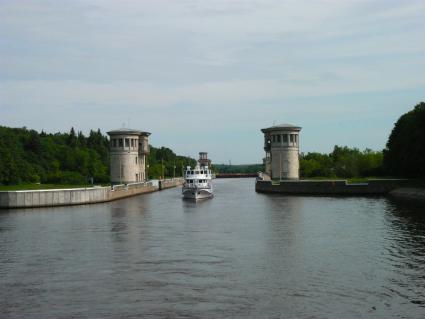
x: 208, y: 75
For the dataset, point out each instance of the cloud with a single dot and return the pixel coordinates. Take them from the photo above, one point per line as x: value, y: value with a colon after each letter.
x: 89, y: 62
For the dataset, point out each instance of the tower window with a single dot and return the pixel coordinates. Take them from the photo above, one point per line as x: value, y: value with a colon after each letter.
x: 120, y: 143
x: 127, y: 142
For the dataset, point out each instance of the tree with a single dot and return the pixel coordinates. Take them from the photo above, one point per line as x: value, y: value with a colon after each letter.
x: 72, y: 138
x: 405, y: 150
x: 27, y: 156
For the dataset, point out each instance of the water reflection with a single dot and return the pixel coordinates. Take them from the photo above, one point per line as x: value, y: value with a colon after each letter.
x: 405, y: 249
x: 239, y: 255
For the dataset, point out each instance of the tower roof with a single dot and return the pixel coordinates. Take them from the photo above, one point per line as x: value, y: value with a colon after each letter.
x: 127, y: 131
x: 282, y: 126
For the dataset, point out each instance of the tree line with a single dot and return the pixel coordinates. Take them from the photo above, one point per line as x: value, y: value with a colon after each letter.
x: 238, y: 169
x: 27, y: 156
x: 164, y: 162
x: 343, y: 162
x: 403, y: 156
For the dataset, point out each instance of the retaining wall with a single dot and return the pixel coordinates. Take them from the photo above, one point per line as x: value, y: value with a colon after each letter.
x: 122, y: 191
x: 74, y: 196
x: 169, y: 183
x: 330, y: 187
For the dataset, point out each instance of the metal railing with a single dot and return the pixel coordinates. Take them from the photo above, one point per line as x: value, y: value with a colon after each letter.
x: 194, y: 185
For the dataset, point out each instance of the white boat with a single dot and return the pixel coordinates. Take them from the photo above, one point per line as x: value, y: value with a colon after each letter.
x: 197, y: 183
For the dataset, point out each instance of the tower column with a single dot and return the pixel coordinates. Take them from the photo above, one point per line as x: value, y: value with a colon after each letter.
x: 281, y: 144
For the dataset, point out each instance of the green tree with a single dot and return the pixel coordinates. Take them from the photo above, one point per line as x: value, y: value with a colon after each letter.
x: 405, y: 150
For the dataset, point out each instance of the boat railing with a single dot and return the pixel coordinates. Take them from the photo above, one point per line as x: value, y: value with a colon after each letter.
x: 194, y: 185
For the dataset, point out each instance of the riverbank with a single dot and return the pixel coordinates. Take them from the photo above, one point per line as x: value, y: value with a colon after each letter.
x: 39, y: 186
x: 80, y: 196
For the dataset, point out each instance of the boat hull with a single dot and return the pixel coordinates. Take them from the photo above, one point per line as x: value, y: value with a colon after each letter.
x: 197, y: 193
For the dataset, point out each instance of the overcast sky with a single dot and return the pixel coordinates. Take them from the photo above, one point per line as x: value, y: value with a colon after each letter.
x: 208, y: 75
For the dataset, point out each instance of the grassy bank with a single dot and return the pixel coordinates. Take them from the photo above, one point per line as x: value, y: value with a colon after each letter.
x: 23, y: 187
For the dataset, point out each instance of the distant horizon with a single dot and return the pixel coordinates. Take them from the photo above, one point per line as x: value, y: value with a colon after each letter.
x: 210, y: 75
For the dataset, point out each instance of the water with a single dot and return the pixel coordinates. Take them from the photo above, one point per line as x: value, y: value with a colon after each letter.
x: 239, y: 255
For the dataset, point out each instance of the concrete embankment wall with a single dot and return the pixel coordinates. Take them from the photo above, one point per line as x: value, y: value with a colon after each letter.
x: 168, y: 183
x: 75, y: 196
x: 122, y: 191
x: 330, y: 187
x: 53, y: 197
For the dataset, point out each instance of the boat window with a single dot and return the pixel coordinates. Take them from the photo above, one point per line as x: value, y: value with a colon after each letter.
x: 196, y: 172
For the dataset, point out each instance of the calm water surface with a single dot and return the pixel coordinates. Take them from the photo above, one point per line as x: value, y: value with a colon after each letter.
x: 239, y: 255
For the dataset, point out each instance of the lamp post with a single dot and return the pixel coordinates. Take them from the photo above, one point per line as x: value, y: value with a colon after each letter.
x: 120, y: 170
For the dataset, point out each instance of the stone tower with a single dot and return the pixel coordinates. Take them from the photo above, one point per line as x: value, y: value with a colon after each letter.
x: 203, y: 159
x: 281, y: 143
x: 129, y: 150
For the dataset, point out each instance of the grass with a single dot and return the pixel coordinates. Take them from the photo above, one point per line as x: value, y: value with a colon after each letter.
x: 22, y: 187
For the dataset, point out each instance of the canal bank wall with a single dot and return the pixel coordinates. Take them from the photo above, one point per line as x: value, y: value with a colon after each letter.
x: 331, y: 187
x: 169, y: 183
x: 80, y: 196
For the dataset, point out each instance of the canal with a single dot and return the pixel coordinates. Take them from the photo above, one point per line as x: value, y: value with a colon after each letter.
x: 238, y: 255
